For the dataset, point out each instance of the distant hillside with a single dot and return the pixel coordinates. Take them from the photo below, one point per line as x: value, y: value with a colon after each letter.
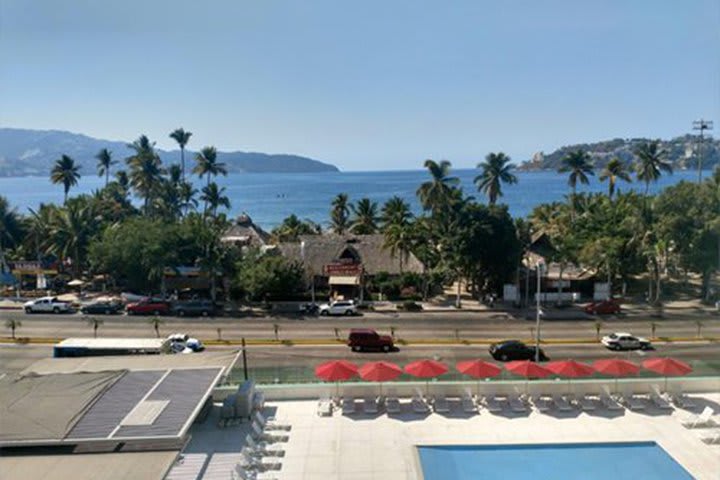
x: 681, y: 151
x: 32, y: 152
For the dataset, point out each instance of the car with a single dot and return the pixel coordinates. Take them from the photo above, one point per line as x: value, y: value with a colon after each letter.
x: 148, y: 306
x: 106, y: 308
x: 46, y: 304
x: 367, y: 339
x: 514, y: 350
x: 604, y: 307
x: 338, y: 307
x: 625, y: 341
x: 184, y: 343
x: 194, y: 308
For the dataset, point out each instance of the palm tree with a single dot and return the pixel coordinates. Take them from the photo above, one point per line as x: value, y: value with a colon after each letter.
x: 207, y: 164
x: 614, y: 170
x: 105, y: 161
x: 174, y: 174
x: 436, y: 193
x: 145, y: 169
x: 182, y: 138
x: 579, y: 165
x: 365, y: 217
x: 66, y: 172
x: 95, y: 324
x: 71, y: 228
x: 187, y: 196
x: 213, y: 197
x: 11, y: 228
x: 651, y: 163
x: 292, y: 228
x: 13, y: 324
x: 339, y: 214
x: 496, y: 170
x: 121, y: 177
x: 399, y: 240
x: 396, y: 211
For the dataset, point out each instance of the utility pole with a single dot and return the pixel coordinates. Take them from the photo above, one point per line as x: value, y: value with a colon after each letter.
x: 538, y: 312
x: 701, y: 125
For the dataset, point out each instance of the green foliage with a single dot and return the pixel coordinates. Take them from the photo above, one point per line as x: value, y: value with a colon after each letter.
x: 292, y: 228
x: 65, y: 172
x: 365, y: 217
x: 261, y: 277
x: 411, y: 306
x: 340, y: 214
x: 496, y: 170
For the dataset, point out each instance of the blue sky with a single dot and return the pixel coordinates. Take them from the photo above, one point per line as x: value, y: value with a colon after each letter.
x: 364, y: 85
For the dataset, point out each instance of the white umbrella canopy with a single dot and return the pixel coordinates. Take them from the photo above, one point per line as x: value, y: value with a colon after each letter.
x: 75, y: 283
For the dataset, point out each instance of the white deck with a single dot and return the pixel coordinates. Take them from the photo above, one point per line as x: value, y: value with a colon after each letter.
x: 381, y: 447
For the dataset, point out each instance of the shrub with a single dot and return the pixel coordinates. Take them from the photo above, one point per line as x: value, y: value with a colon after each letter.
x: 411, y: 306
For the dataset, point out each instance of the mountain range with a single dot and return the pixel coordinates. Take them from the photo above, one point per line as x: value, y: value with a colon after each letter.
x: 26, y: 152
x: 681, y: 152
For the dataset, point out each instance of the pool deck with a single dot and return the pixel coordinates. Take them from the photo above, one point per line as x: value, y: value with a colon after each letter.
x: 366, y: 447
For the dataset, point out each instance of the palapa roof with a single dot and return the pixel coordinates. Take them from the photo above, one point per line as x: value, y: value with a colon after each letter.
x: 321, y: 250
x: 243, y: 230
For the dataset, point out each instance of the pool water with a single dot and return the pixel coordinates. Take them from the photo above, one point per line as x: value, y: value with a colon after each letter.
x: 587, y: 461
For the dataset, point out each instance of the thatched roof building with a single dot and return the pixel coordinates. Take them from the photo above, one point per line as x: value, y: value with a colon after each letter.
x: 244, y: 232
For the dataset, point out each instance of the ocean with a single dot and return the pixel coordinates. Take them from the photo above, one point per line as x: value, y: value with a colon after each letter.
x: 270, y: 197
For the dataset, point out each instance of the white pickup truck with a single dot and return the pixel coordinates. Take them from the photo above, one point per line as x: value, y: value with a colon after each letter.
x: 47, y: 305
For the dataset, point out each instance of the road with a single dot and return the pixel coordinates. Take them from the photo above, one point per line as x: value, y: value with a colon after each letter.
x: 451, y: 325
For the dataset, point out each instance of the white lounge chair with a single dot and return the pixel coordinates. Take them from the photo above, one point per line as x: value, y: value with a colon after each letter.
x: 540, y: 402
x: 658, y: 399
x: 263, y: 448
x: 242, y: 473
x: 348, y: 405
x: 370, y: 405
x: 257, y: 463
x: 469, y: 404
x: 440, y: 404
x: 258, y: 434
x: 419, y: 404
x: 632, y: 401
x: 704, y: 419
x: 608, y: 401
x: 392, y: 403
x: 271, y: 423
x: 681, y: 399
x: 585, y: 402
x: 711, y: 438
x: 324, y: 406
x: 516, y: 402
x: 493, y: 403
x: 561, y: 403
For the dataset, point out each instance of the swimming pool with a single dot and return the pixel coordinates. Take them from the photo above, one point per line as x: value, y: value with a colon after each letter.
x: 587, y: 461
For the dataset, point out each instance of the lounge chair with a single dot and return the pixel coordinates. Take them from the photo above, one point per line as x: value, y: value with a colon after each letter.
x: 712, y: 437
x: 270, y: 423
x: 242, y: 473
x: 540, y: 402
x: 258, y: 434
x: 632, y: 401
x: 493, y: 403
x: 419, y: 404
x: 440, y: 404
x: 561, y: 403
x: 585, y: 402
x: 348, y: 405
x: 256, y: 463
x: 704, y: 419
x: 324, y: 406
x: 608, y: 401
x: 658, y: 399
x: 370, y: 405
x: 516, y: 402
x: 263, y: 448
x: 469, y: 404
x: 681, y: 399
x: 392, y: 404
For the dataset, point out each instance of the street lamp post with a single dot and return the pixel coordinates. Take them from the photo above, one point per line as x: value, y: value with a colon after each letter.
x: 538, y: 313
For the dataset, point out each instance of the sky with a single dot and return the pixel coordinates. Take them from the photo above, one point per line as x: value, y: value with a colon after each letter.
x: 371, y: 85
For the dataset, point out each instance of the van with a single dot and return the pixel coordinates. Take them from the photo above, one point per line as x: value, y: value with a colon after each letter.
x: 367, y: 339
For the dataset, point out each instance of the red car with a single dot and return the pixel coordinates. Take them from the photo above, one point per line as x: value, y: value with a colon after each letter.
x: 148, y: 306
x: 604, y: 307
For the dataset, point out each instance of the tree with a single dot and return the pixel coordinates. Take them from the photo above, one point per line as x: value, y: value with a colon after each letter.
x: 11, y: 229
x: 436, y: 194
x: 104, y: 163
x: 292, y: 228
x: 579, y: 165
x: 13, y: 324
x: 396, y: 212
x: 262, y: 276
x: 186, y: 194
x: 207, y: 164
x: 614, y: 170
x: 66, y: 172
x: 145, y: 170
x: 71, y: 229
x: 95, y: 324
x: 651, y: 163
x: 182, y: 138
x: 339, y: 215
x: 213, y: 197
x: 496, y: 170
x: 156, y: 322
x: 365, y: 217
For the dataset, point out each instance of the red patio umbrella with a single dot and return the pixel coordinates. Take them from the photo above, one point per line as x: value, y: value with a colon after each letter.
x: 335, y: 371
x: 617, y: 367
x: 668, y: 367
x: 426, y: 369
x: 570, y: 369
x: 379, y: 372
x: 478, y: 369
x: 527, y: 369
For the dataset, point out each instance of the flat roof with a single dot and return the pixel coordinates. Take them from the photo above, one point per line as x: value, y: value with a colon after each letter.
x: 110, y: 343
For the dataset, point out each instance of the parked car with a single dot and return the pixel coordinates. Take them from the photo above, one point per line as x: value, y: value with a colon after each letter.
x: 46, y: 304
x: 106, y: 308
x: 194, y: 308
x: 148, y: 306
x: 367, y: 339
x: 625, y: 341
x: 338, y: 307
x: 604, y: 307
x: 184, y: 343
x: 514, y: 350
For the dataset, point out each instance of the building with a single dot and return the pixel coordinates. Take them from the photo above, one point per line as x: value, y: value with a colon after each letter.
x: 344, y: 263
x: 244, y: 233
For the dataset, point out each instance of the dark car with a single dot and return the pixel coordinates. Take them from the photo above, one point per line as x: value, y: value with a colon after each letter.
x: 105, y: 308
x: 367, y: 339
x: 604, y: 307
x: 203, y: 308
x: 514, y: 350
x: 148, y: 306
